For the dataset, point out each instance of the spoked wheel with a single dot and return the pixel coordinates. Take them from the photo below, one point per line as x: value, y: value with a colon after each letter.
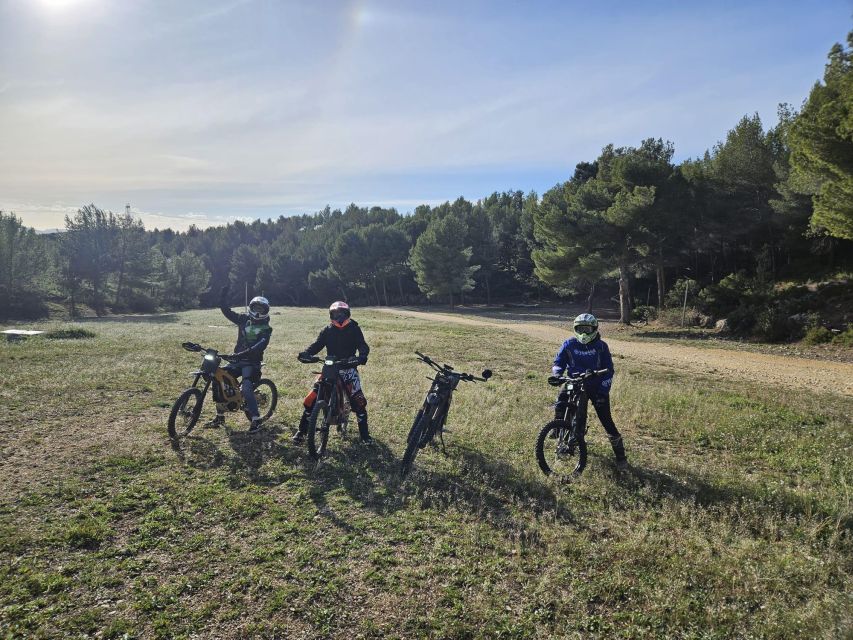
x: 557, y: 453
x: 418, y: 438
x: 318, y: 429
x: 185, y: 413
x: 266, y: 395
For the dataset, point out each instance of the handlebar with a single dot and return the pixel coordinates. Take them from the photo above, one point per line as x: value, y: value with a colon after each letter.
x: 342, y: 363
x: 447, y: 370
x: 581, y: 377
x: 197, y: 348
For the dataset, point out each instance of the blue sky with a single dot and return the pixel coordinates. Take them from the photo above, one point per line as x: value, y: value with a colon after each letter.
x: 208, y: 111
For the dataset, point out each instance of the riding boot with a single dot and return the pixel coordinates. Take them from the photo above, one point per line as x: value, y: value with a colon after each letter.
x: 363, y: 432
x: 619, y: 451
x: 299, y: 436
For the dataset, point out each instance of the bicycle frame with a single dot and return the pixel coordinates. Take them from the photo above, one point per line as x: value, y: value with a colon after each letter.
x: 331, y: 393
x: 576, y: 400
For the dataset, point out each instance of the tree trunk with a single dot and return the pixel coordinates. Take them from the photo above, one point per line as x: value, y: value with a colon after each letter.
x: 488, y: 292
x: 624, y: 294
x: 661, y: 279
x: 589, y: 298
x: 451, y: 299
x: 385, y: 292
x: 376, y: 291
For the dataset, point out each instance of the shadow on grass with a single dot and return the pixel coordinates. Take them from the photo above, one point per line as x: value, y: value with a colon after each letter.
x: 487, y: 488
x: 763, y: 499
x: 249, y: 456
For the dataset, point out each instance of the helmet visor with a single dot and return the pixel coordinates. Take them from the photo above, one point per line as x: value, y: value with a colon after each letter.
x: 339, y: 315
x: 258, y: 308
x: 585, y: 329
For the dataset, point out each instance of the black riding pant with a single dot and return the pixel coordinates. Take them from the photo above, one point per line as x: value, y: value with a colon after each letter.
x: 601, y: 403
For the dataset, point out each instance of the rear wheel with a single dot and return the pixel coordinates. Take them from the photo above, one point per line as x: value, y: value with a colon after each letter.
x: 266, y: 395
x: 557, y: 453
x: 418, y: 437
x: 185, y: 413
x: 318, y: 429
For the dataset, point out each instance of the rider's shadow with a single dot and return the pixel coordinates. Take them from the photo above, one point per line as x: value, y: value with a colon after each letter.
x: 249, y: 457
x: 688, y: 487
x: 367, y: 475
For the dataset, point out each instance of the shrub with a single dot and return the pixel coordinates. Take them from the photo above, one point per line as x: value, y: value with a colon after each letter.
x: 845, y: 339
x: 644, y: 313
x: 30, y: 307
x: 733, y: 291
x: 817, y: 335
x: 771, y: 323
x: 675, y: 296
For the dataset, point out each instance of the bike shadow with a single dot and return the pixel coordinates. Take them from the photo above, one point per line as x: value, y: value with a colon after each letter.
x: 487, y: 488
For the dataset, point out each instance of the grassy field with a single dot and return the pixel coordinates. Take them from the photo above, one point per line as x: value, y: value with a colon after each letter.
x: 734, y: 521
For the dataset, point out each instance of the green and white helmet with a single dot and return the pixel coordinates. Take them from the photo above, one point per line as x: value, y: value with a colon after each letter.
x: 586, y: 328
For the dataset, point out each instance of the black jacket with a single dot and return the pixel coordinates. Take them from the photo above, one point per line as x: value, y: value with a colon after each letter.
x: 340, y: 343
x: 252, y: 337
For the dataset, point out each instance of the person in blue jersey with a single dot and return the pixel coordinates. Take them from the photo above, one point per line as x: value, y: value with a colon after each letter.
x: 253, y: 336
x: 585, y: 351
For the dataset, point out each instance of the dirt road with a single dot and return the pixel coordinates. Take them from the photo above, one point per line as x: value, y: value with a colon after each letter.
x: 789, y: 372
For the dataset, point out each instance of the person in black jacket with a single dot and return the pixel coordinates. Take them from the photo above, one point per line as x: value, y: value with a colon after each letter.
x: 253, y: 336
x: 341, y: 338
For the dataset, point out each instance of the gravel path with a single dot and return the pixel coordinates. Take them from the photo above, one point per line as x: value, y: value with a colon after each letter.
x: 782, y: 371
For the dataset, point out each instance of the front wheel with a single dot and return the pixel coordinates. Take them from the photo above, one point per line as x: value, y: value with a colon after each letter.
x: 557, y: 452
x: 266, y: 395
x: 418, y: 436
x: 318, y: 429
x: 185, y: 413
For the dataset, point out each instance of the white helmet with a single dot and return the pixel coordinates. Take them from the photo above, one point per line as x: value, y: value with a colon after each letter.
x: 586, y: 328
x: 259, y: 308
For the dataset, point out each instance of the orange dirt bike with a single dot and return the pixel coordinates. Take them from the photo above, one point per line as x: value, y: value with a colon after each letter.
x: 332, y: 407
x: 226, y: 392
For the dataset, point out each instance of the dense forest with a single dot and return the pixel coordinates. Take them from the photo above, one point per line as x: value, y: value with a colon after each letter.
x: 743, y: 233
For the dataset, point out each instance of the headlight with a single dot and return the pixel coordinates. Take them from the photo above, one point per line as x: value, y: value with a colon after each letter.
x: 329, y: 362
x: 209, y: 357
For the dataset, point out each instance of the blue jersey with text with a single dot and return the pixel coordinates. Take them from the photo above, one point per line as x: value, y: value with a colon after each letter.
x: 576, y: 357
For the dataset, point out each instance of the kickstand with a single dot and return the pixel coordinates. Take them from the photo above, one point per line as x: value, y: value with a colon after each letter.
x: 441, y: 437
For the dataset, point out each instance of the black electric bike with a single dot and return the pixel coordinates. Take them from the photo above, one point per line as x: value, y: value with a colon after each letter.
x: 226, y: 392
x: 331, y: 403
x: 432, y: 416
x: 563, y: 438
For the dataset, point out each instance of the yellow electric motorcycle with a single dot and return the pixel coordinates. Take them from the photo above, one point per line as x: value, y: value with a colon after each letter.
x: 226, y: 393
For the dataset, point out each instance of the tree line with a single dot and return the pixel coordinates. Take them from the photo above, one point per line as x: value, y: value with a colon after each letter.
x: 760, y: 206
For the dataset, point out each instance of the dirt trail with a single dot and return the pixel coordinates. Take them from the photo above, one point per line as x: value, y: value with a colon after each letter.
x: 790, y: 372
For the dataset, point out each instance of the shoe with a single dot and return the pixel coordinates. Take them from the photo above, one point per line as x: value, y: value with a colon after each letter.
x: 256, y: 425
x: 366, y: 441
x: 298, y: 438
x: 622, y: 464
x: 218, y: 421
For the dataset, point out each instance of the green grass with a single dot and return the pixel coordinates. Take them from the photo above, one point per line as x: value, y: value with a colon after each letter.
x: 735, y: 520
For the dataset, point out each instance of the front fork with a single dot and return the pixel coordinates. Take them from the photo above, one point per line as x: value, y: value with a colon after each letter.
x: 198, y: 377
